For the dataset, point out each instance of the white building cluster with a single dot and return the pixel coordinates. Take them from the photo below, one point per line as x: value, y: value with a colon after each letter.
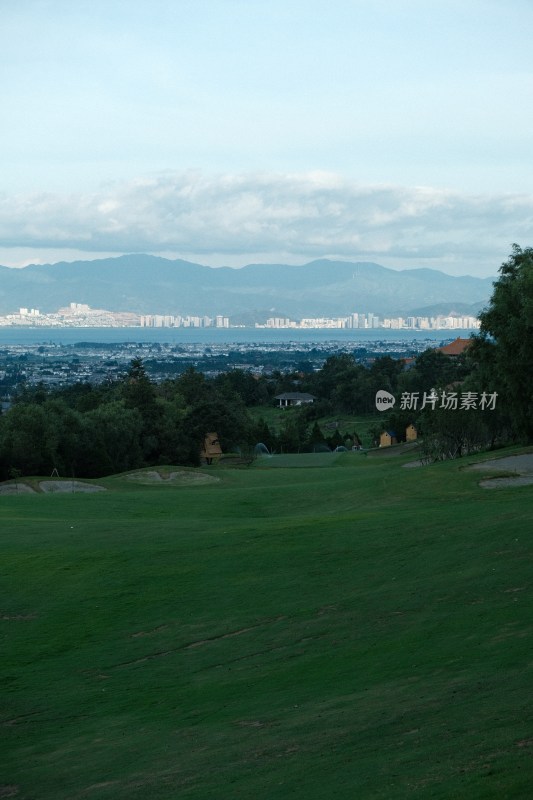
x: 432, y: 323
x: 371, y: 320
x: 75, y: 315
x: 352, y: 321
x: 170, y: 321
x: 82, y: 315
x: 25, y: 316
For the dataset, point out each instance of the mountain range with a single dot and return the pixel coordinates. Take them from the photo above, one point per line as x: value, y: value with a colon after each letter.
x: 152, y: 285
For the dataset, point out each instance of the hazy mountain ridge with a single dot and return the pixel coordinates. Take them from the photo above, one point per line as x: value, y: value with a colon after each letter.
x: 151, y: 284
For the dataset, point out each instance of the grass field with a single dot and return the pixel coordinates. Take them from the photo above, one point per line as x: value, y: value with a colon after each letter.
x: 352, y: 630
x: 347, y: 423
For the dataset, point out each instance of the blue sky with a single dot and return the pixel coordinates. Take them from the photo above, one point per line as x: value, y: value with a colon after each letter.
x: 228, y: 131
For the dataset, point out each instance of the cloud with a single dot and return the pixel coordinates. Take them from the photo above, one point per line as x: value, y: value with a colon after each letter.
x: 301, y: 215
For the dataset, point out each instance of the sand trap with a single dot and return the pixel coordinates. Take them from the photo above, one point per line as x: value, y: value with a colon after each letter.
x: 421, y: 462
x: 16, y: 488
x: 69, y: 486
x: 499, y: 483
x: 521, y: 465
x: 178, y: 478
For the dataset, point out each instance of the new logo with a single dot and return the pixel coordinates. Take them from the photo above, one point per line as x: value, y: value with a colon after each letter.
x: 384, y: 400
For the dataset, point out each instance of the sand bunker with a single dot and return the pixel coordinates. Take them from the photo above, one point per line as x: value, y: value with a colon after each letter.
x: 499, y: 483
x: 69, y: 486
x: 16, y: 488
x: 178, y: 478
x: 521, y: 465
x: 420, y: 462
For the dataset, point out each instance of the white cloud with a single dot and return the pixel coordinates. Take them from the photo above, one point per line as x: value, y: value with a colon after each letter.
x: 309, y: 215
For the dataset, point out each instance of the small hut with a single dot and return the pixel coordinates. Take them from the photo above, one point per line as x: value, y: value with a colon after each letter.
x: 387, y: 438
x: 411, y: 433
x: 211, y: 448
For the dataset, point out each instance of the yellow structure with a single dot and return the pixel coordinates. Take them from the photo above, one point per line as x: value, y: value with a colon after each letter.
x: 387, y: 438
x: 411, y: 433
x: 211, y: 448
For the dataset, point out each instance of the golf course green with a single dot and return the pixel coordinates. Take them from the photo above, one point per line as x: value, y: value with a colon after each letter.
x: 343, y: 628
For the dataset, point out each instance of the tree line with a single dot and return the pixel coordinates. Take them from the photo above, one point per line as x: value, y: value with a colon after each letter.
x: 90, y: 431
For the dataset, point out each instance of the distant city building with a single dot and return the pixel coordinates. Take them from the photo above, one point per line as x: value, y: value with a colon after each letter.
x: 82, y: 315
x: 190, y: 321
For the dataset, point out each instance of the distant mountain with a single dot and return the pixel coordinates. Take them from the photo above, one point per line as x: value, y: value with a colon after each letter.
x: 149, y: 284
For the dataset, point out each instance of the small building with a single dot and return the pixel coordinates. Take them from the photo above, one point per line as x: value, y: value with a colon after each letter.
x: 411, y: 433
x: 387, y: 438
x: 211, y: 448
x: 294, y: 399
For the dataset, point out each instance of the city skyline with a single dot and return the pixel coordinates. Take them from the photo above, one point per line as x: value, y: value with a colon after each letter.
x: 82, y: 315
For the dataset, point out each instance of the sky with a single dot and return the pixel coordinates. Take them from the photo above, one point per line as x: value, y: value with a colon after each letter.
x: 238, y: 131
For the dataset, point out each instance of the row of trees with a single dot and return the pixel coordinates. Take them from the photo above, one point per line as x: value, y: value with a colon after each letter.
x: 86, y: 431
x: 499, y: 361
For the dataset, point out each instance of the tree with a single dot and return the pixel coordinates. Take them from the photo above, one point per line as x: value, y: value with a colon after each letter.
x: 292, y: 436
x: 261, y: 434
x: 316, y: 438
x: 193, y: 387
x: 251, y: 390
x: 28, y: 439
x: 335, y: 440
x: 432, y: 369
x: 224, y: 414
x: 138, y: 390
x: 504, y: 347
x: 453, y: 433
x: 112, y: 440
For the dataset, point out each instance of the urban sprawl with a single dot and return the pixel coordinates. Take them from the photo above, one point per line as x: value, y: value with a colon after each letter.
x: 83, y: 316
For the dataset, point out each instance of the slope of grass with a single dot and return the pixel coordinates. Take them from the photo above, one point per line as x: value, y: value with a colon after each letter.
x: 356, y: 631
x: 347, y: 424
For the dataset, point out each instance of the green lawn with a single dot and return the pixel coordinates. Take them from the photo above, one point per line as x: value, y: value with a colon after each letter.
x: 347, y: 423
x: 353, y: 630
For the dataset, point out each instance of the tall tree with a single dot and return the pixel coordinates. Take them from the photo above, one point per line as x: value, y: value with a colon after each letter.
x: 504, y: 347
x: 138, y: 390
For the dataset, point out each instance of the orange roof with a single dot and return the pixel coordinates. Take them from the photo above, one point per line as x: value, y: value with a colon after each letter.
x: 456, y: 347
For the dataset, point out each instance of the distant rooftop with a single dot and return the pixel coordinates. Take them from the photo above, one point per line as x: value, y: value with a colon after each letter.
x: 456, y: 347
x: 301, y: 396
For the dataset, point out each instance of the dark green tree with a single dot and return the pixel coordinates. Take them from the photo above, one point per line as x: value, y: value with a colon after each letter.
x: 111, y: 440
x: 503, y: 349
x: 20, y: 440
x: 225, y: 415
x: 251, y: 390
x: 192, y: 385
x: 29, y: 439
x: 335, y: 440
x: 138, y: 390
x: 452, y: 433
x: 431, y: 370
x: 292, y: 437
x: 261, y: 434
x: 315, y: 437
